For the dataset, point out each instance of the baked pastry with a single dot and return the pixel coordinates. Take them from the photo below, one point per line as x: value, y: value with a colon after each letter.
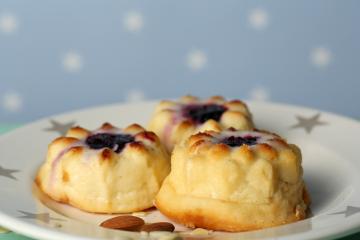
x: 173, y: 121
x: 234, y: 181
x: 109, y: 170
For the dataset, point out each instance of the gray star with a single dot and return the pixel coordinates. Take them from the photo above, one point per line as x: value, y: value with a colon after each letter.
x: 61, y: 128
x: 308, y: 123
x: 350, y: 210
x: 8, y: 172
x: 43, y: 217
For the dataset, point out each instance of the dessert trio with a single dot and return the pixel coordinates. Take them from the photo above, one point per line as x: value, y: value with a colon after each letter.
x: 201, y: 162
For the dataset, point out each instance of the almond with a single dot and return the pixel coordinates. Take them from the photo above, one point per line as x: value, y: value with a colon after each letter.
x: 129, y: 223
x: 158, y: 226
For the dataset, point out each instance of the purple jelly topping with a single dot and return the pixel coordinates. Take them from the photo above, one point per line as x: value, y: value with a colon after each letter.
x: 107, y: 140
x: 200, y: 113
x: 238, y: 141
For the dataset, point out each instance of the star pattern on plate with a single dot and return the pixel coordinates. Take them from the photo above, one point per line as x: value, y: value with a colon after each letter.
x: 43, y: 217
x: 308, y: 123
x: 350, y: 210
x: 8, y: 173
x: 59, y: 127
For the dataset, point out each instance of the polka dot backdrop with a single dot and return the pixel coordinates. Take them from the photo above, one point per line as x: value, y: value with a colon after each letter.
x: 60, y: 56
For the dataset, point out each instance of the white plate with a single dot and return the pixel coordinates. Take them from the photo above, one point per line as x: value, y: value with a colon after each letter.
x: 330, y: 158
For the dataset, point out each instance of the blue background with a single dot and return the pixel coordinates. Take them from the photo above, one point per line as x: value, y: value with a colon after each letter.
x: 151, y: 61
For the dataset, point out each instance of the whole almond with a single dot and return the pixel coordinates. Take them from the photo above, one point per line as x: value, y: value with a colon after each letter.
x: 129, y: 223
x: 159, y: 226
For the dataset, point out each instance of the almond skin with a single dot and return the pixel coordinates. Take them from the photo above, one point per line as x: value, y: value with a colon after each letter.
x: 159, y: 226
x: 128, y: 223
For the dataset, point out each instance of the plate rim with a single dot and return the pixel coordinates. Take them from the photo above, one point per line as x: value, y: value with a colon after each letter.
x: 43, y: 232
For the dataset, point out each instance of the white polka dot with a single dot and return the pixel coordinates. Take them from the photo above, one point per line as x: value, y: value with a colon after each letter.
x: 258, y: 19
x: 135, y: 95
x: 196, y: 60
x: 12, y: 102
x: 8, y: 23
x: 72, y: 62
x: 321, y: 57
x: 259, y: 94
x: 133, y: 21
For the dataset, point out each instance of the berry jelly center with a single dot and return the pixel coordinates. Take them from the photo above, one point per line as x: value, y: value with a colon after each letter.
x: 106, y: 140
x: 238, y: 141
x: 200, y: 113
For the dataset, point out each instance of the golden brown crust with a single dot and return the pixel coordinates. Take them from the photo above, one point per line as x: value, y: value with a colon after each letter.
x: 172, y: 126
x: 104, y: 180
x: 217, y: 98
x: 65, y: 177
x: 107, y: 126
x: 77, y: 132
x: 64, y: 141
x: 189, y: 99
x: 134, y: 129
x: 266, y: 151
x: 219, y: 185
x: 219, y: 151
x: 218, y: 215
x: 138, y: 146
x: 106, y: 154
x: 149, y: 136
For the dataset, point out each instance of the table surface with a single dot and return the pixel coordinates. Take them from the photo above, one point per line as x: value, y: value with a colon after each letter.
x: 8, y: 235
